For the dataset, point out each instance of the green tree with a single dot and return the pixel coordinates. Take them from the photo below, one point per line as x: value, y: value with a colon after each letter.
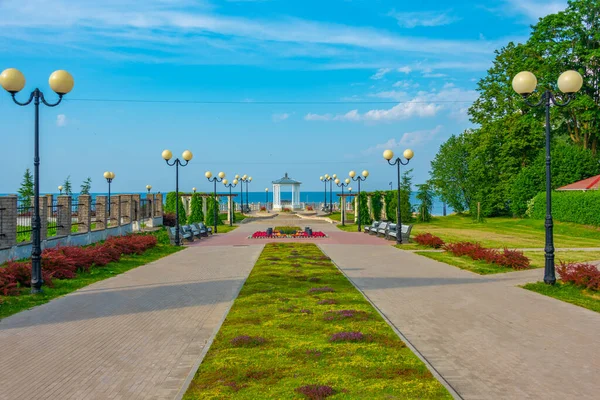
x: 569, y: 164
x: 196, y: 214
x: 425, y: 196
x: 67, y: 187
x: 26, y: 190
x: 209, y: 218
x: 406, y: 209
x: 376, y: 204
x: 450, y: 172
x: 365, y: 218
x: 391, y: 204
x: 170, y: 207
x: 86, y: 186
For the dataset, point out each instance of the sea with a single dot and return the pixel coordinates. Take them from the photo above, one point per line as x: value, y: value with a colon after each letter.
x: 305, y: 197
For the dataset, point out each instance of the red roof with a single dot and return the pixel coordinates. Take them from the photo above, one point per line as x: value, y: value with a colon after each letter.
x: 592, y: 183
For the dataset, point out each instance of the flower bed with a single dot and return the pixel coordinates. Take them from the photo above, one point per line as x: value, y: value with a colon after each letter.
x: 583, y: 275
x: 514, y: 259
x: 279, y: 235
x: 65, y: 262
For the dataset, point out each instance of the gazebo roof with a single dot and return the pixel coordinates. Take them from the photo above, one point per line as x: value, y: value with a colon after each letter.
x: 286, y: 180
x: 592, y: 183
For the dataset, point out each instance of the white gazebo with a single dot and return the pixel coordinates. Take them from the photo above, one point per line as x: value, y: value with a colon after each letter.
x: 286, y: 181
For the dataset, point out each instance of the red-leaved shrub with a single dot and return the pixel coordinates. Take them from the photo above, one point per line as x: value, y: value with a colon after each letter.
x: 65, y: 262
x: 514, y: 259
x: 427, y: 239
x: 580, y: 274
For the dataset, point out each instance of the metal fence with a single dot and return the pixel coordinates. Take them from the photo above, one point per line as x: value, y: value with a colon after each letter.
x: 52, y: 218
x: 74, y: 217
x: 145, y: 209
x: 24, y: 219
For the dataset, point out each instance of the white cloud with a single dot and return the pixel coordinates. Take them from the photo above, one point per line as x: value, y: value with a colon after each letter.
x: 408, y: 139
x: 534, y: 9
x: 405, y: 84
x: 406, y: 69
x: 436, y: 75
x: 391, y: 94
x: 381, y: 73
x: 61, y: 120
x: 280, y: 117
x: 425, y: 18
x: 185, y: 32
x: 425, y: 104
x: 317, y: 117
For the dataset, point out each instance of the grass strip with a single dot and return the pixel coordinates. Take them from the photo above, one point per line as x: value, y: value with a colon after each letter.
x: 298, y: 329
x: 10, y: 305
x: 569, y: 293
x: 482, y: 268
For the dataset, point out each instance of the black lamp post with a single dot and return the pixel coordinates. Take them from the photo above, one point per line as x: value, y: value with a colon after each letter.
x: 109, y: 176
x: 388, y: 155
x: 267, y: 199
x: 343, y: 208
x: 148, y: 188
x: 61, y: 82
x: 241, y: 178
x: 359, y: 179
x: 247, y: 179
x: 569, y: 82
x: 231, y: 210
x: 215, y: 179
x: 187, y: 156
x: 324, y: 180
x: 60, y: 189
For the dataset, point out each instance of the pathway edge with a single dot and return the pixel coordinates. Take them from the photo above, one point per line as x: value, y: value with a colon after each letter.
x: 209, y: 343
x: 429, y: 366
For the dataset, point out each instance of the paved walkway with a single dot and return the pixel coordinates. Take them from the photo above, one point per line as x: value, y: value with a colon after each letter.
x: 488, y: 338
x: 138, y: 335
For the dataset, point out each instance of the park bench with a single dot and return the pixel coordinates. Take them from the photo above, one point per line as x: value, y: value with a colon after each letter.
x: 208, y: 229
x: 188, y: 234
x: 405, y: 230
x: 374, y: 225
x: 182, y: 235
x: 391, y: 230
x: 200, y: 228
x: 196, y: 231
x: 382, y: 228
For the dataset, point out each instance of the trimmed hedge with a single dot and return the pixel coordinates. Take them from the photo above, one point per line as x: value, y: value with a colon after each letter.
x: 572, y: 206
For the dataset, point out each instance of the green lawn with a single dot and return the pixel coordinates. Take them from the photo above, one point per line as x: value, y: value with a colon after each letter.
x: 510, y: 232
x: 337, y: 216
x: 536, y: 257
x: 225, y: 228
x: 569, y: 293
x: 283, y: 331
x: 10, y: 305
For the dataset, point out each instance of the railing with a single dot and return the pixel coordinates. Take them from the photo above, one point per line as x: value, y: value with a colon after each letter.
x: 74, y: 217
x: 52, y: 218
x: 24, y: 219
x: 145, y: 209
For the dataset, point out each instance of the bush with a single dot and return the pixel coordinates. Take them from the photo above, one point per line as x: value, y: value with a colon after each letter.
x: 580, y: 274
x: 287, y: 230
x: 308, y: 208
x: 429, y: 240
x: 508, y: 258
x: 377, y: 205
x: 65, y: 262
x: 363, y: 209
x: 209, y: 218
x: 196, y: 214
x: 570, y: 206
x: 169, y: 219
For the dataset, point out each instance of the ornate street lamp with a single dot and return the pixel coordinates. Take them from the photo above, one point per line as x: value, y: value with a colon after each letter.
x: 247, y: 180
x: 60, y: 189
x: 322, y: 178
x: 242, y: 179
x: 231, y: 210
x: 359, y: 179
x: 193, y: 190
x: 61, y: 82
x: 343, y: 210
x: 267, y: 199
x: 109, y: 176
x: 187, y: 156
x: 215, y: 179
x: 569, y: 82
x: 148, y: 188
x: 388, y: 155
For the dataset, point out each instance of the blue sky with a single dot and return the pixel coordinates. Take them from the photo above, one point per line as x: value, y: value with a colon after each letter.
x: 405, y: 74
